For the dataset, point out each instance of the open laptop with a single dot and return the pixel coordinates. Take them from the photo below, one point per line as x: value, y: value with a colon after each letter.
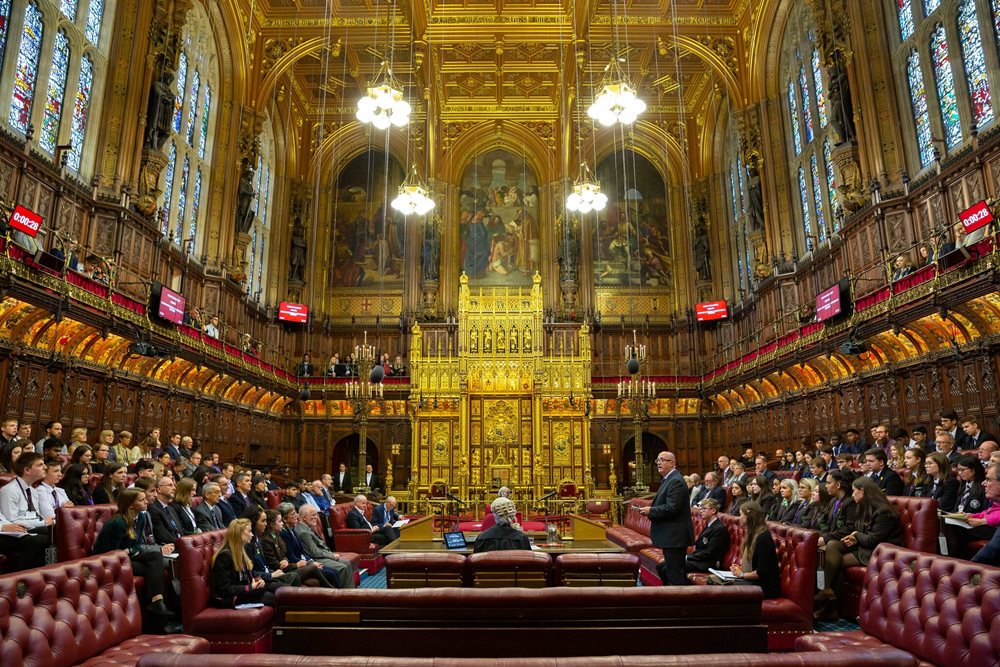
x: 455, y: 540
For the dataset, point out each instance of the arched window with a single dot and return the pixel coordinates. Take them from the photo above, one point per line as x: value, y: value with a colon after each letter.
x: 56, y: 62
x: 809, y: 136
x: 739, y: 228
x: 949, y: 76
x: 188, y: 149
x: 260, y: 233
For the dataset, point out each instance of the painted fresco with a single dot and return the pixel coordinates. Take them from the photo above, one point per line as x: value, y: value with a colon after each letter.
x: 368, y: 244
x: 632, y: 244
x: 498, y: 221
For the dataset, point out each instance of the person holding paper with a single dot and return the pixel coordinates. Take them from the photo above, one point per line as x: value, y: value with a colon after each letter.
x: 670, y: 525
x: 759, y: 557
x: 385, y: 515
x: 232, y: 581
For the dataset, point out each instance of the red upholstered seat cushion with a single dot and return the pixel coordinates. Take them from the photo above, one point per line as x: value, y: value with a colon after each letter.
x: 628, y: 539
x: 78, y: 527
x: 129, y: 651
x: 223, y: 621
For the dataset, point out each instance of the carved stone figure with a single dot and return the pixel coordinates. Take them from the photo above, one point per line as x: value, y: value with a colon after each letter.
x: 297, y: 261
x: 841, y: 104
x: 244, y: 198
x: 432, y: 251
x: 755, y: 198
x: 702, y: 261
x: 569, y: 256
x: 160, y: 111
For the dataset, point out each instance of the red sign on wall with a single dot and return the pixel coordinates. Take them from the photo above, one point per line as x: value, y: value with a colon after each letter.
x: 26, y: 221
x: 711, y: 310
x: 976, y: 216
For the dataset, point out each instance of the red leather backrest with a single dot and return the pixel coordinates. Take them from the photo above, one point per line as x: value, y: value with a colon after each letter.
x: 634, y: 520
x: 194, y: 563
x: 338, y: 514
x: 505, y: 560
x: 920, y: 522
x: 274, y: 498
x: 6, y: 478
x: 736, y: 533
x: 699, y: 523
x: 65, y: 614
x: 943, y: 610
x: 788, y: 474
x: 798, y: 555
x: 78, y: 527
x: 195, y: 501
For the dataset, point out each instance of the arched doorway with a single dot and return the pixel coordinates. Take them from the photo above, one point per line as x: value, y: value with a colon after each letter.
x: 651, y: 446
x: 346, y: 451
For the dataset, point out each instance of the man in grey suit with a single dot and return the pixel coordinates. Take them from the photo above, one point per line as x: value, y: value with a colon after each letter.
x: 670, y: 525
x: 315, y: 548
x: 208, y: 514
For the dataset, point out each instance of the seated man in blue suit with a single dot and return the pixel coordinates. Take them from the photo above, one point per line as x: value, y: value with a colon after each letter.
x: 385, y: 515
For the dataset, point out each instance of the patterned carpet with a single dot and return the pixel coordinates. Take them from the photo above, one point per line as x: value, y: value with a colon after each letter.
x: 373, y: 581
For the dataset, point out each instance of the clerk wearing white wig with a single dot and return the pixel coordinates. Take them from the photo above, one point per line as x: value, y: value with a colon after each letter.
x: 506, y: 534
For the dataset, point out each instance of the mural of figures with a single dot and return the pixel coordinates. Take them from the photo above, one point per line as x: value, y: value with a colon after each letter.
x: 632, y: 243
x: 498, y: 221
x: 368, y: 244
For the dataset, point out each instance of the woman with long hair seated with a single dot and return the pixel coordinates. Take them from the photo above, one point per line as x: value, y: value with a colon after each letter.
x: 233, y: 582
x: 112, y: 484
x: 790, y: 504
x: 819, y: 502
x: 738, y: 489
x: 77, y: 438
x: 258, y: 492
x: 182, y: 506
x: 273, y: 577
x: 915, y: 478
x: 897, y: 455
x: 943, y: 487
x: 276, y: 554
x: 130, y: 529
x: 877, y: 523
x: 759, y: 557
x: 760, y: 493
x: 144, y: 450
x: 76, y: 484
x: 82, y: 454
x: 506, y: 534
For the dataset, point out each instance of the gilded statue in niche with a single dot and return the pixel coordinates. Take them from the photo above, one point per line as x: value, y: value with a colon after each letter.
x: 487, y: 340
x: 498, y: 220
x: 635, y: 218
x: 527, y: 339
x: 368, y: 238
x: 474, y: 340
x: 501, y: 340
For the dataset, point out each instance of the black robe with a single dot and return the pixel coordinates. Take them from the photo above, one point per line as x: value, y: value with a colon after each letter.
x: 501, y: 537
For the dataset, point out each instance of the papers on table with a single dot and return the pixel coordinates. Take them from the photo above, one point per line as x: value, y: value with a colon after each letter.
x: 400, y: 523
x: 722, y: 574
x: 250, y: 605
x: 957, y: 522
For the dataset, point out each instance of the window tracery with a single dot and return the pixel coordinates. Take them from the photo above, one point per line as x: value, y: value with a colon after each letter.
x: 260, y: 233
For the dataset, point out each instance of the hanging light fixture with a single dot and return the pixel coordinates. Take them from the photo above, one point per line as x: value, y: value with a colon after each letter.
x: 383, y: 105
x: 618, y: 101
x: 586, y: 195
x: 413, y: 197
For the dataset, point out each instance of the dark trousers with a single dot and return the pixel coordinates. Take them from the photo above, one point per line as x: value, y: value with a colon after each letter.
x: 150, y: 566
x: 671, y: 570
x: 25, y: 552
x: 380, y: 539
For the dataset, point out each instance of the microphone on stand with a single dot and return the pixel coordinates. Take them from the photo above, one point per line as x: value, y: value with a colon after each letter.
x: 545, y: 509
x: 455, y: 498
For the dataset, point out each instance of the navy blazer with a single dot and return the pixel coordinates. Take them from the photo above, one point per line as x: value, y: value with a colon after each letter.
x: 166, y: 526
x: 670, y: 525
x: 381, y: 517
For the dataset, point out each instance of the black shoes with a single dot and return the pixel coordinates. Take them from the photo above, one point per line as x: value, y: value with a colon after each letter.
x: 157, y: 608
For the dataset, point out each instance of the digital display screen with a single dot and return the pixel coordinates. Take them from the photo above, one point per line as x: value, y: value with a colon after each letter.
x: 711, y: 310
x: 454, y: 540
x: 829, y: 303
x: 293, y: 312
x: 171, y: 306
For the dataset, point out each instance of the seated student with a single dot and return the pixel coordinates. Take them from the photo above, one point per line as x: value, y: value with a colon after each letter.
x: 274, y: 577
x: 505, y: 534
x: 943, y: 487
x: 758, y: 555
x: 20, y: 501
x: 791, y: 502
x: 232, y: 580
x: 886, y: 478
x: 181, y: 507
x: 760, y: 493
x: 276, y: 554
x: 50, y: 495
x: 738, y: 489
x: 76, y: 483
x: 112, y: 484
x: 258, y: 493
x: 712, y: 543
x: 292, y: 494
x: 877, y: 522
x: 8, y: 454
x: 916, y: 481
x: 842, y: 513
x: 336, y: 572
x: 971, y: 493
x: 817, y: 500
x: 130, y: 529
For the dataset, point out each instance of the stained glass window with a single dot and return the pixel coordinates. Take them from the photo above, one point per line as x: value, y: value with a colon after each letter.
x: 193, y: 107
x: 945, y: 88
x: 81, y: 111
x: 195, y: 205
x: 95, y: 17
x: 996, y: 18
x: 921, y: 115
x: 182, y: 68
x: 205, y: 106
x: 253, y: 260
x: 794, y: 111
x: 68, y: 8
x: 820, y: 89
x: 168, y: 188
x: 818, y: 198
x: 267, y: 197
x: 4, y: 23
x: 260, y: 266
x: 806, y: 219
x: 55, y: 95
x: 975, y: 63
x: 806, y: 105
x: 831, y: 182
x: 732, y: 190
x: 930, y: 6
x: 905, y: 12
x: 182, y: 199
x: 26, y: 73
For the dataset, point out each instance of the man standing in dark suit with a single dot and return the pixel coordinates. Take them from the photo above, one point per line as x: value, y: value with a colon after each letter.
x: 166, y: 526
x: 342, y: 480
x: 712, y: 543
x: 888, y: 480
x: 670, y: 526
x: 208, y: 515
x: 372, y: 481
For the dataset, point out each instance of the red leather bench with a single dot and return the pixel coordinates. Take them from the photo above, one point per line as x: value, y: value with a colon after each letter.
x: 517, y: 622
x: 920, y: 532
x: 231, y: 630
x: 848, y: 658
x: 78, y: 527
x: 633, y: 534
x: 424, y: 570
x: 597, y: 569
x: 945, y: 611
x: 501, y: 569
x: 355, y: 540
x: 84, y: 611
